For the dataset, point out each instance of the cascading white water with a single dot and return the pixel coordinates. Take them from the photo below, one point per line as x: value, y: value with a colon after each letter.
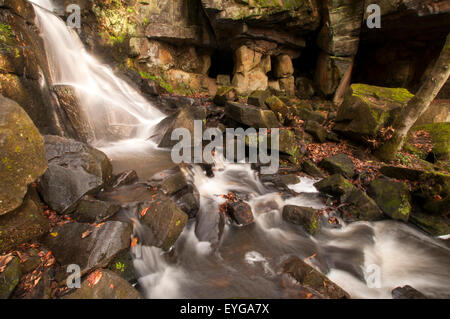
x: 107, y: 101
x: 245, y: 263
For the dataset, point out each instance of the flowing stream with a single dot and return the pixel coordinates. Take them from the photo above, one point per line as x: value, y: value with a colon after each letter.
x: 245, y: 261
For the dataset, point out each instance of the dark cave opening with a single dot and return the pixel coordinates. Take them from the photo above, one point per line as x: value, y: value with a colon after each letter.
x: 221, y: 63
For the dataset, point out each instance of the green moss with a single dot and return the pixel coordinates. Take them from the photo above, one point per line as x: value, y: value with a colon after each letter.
x: 158, y: 79
x: 396, y: 94
x: 440, y: 136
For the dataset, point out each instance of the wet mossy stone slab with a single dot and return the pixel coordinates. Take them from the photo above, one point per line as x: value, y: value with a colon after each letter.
x: 311, y: 169
x: 367, y: 109
x: 22, y: 154
x: 22, y: 225
x: 89, y: 246
x: 309, y: 278
x: 318, y: 132
x: 432, y: 224
x: 339, y: 164
x: 307, y: 217
x: 92, y: 210
x: 9, y: 278
x: 75, y: 169
x: 392, y: 197
x: 109, y: 286
x: 359, y: 206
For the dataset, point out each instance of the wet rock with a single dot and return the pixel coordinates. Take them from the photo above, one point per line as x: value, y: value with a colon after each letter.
x: 123, y: 266
x: 188, y: 201
x: 304, y: 88
x: 184, y: 118
x: 367, y: 109
x: 88, y: 246
x: 339, y: 164
x: 311, y: 169
x: 164, y: 218
x: 22, y: 154
x: 303, y: 216
x: 407, y: 292
x: 251, y: 115
x: 225, y: 94
x: 31, y: 262
x: 432, y: 224
x: 9, y: 278
x: 392, y: 197
x: 258, y: 98
x: 125, y: 178
x: 68, y: 100
x: 75, y: 169
x: 359, y: 206
x: 109, y: 286
x: 316, y: 130
x: 92, y: 210
x: 335, y: 185
x: 22, y: 225
x: 240, y: 212
x: 311, y: 279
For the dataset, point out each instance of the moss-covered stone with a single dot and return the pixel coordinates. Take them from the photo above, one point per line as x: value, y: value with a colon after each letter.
x: 224, y: 94
x: 367, y: 109
x: 392, y: 197
x: 318, y: 132
x: 335, y: 185
x: 122, y: 265
x: 251, y: 115
x: 9, y: 278
x: 339, y: 164
x: 440, y: 137
x: 22, y: 154
x: 434, y: 225
x: 304, y: 216
x: 23, y: 224
x: 258, y: 98
x: 311, y: 169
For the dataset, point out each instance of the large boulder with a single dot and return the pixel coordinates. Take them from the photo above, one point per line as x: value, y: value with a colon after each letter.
x: 24, y: 224
x: 251, y: 115
x: 335, y: 185
x: 75, y: 169
x: 164, y: 218
x: 22, y: 154
x: 104, y: 284
x: 440, y: 137
x: 184, y: 118
x: 392, y: 197
x: 303, y: 216
x: 92, y: 210
x: 88, y: 246
x: 367, y: 109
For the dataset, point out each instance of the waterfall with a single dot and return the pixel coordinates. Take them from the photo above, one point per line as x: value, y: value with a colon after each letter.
x: 110, y: 105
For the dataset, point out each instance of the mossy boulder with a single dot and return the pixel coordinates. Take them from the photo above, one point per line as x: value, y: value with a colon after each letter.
x: 24, y: 224
x: 311, y: 169
x: 367, y: 109
x: 392, y: 197
x: 440, y: 137
x: 251, y: 115
x: 335, y: 185
x: 339, y: 164
x: 359, y: 206
x: 109, y: 286
x: 9, y: 278
x: 432, y: 224
x: 308, y: 115
x: 307, y: 217
x: 22, y: 154
x: 318, y: 132
x: 258, y: 98
x: 277, y: 106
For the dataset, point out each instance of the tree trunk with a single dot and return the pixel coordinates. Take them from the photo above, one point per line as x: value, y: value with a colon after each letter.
x: 428, y: 90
